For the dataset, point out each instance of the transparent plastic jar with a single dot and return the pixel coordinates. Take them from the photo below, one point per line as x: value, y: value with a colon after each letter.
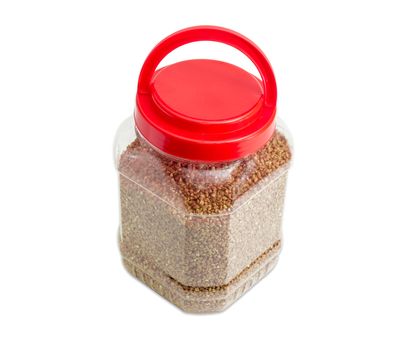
x: 202, y: 182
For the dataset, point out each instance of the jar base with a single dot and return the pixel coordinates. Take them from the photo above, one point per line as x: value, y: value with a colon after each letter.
x: 200, y: 299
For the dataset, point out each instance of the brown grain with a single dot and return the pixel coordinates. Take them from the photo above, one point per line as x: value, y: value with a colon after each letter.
x: 202, y: 226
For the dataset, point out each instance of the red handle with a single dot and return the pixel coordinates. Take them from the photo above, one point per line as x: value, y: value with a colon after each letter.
x: 211, y: 33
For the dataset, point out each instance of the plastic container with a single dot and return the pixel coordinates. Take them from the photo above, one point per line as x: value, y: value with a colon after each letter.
x: 202, y: 172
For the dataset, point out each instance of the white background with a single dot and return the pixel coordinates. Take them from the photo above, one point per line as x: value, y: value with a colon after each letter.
x: 68, y: 74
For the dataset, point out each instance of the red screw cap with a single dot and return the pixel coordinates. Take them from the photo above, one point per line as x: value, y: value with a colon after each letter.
x: 206, y: 110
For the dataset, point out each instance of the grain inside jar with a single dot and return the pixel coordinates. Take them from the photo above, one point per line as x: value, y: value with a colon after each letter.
x: 201, y: 229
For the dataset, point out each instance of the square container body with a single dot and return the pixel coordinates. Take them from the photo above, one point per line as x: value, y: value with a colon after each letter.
x: 200, y: 234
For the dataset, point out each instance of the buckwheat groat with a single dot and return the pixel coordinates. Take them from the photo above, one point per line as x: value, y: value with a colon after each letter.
x: 202, y: 234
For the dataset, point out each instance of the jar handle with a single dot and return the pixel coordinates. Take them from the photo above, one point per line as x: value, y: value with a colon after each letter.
x: 217, y: 34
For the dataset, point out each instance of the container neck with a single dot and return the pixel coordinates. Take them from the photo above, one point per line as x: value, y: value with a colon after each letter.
x: 170, y: 157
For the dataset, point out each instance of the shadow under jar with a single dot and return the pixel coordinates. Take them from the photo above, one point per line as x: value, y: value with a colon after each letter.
x: 201, y: 189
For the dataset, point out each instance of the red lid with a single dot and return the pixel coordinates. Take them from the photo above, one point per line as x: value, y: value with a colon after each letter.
x: 206, y: 110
